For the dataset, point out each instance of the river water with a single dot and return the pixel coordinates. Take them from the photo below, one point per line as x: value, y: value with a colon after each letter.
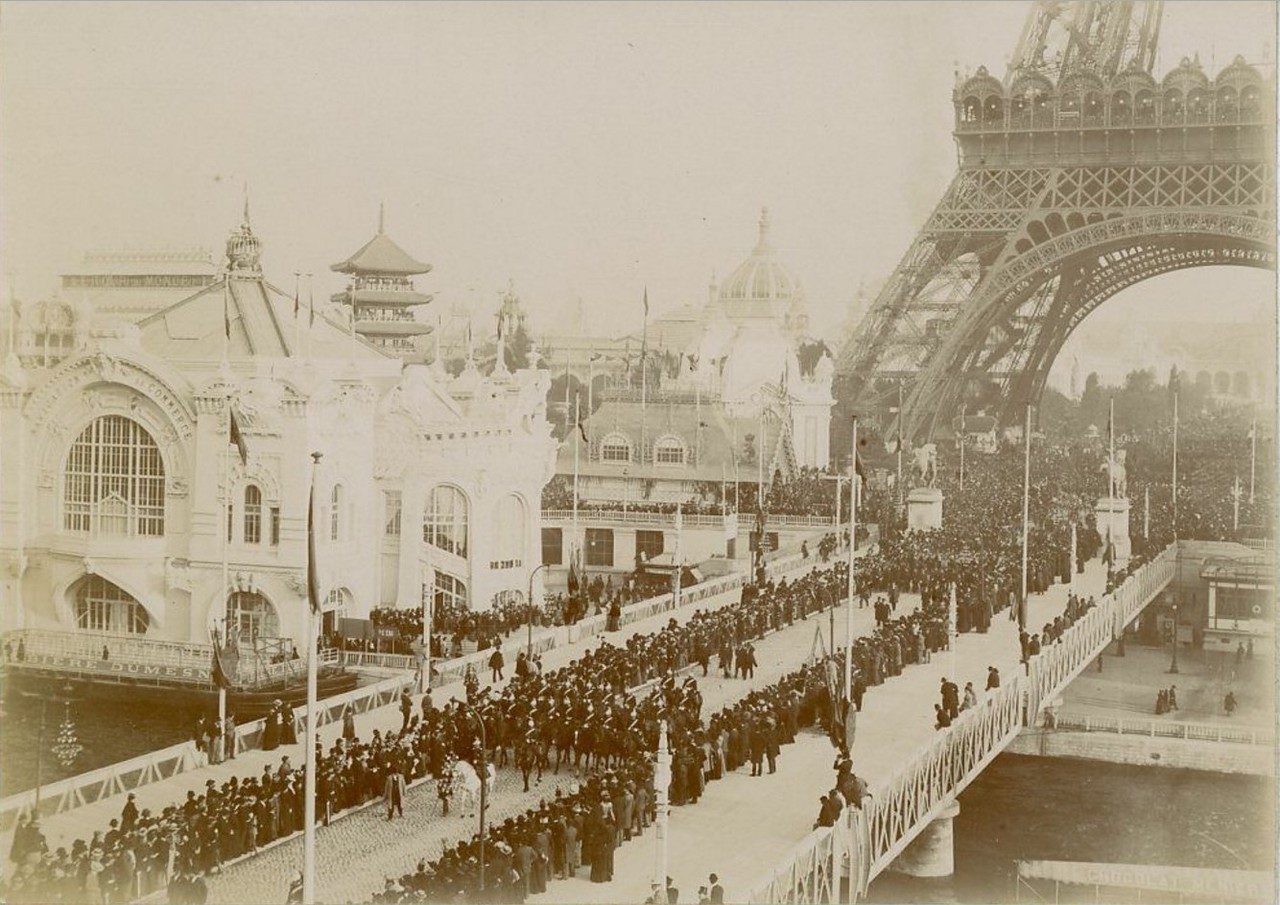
x: 109, y: 731
x: 1031, y: 808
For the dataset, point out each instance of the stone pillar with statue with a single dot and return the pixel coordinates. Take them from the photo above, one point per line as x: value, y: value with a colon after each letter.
x: 924, y: 501
x: 1112, y: 512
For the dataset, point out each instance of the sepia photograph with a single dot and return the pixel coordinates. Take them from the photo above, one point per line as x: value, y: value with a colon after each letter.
x: 638, y: 453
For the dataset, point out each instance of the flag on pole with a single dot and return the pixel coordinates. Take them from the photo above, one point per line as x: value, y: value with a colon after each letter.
x: 311, y: 302
x: 236, y: 437
x: 226, y: 663
x: 297, y: 300
x: 583, y: 430
x: 313, y: 574
x: 226, y: 311
x: 646, y: 301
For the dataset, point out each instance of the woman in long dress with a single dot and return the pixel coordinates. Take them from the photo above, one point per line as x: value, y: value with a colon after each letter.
x: 288, y: 735
x: 271, y: 732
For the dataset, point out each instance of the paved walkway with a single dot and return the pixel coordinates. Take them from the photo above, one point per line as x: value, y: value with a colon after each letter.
x: 1127, y: 687
x: 357, y: 853
x: 743, y: 827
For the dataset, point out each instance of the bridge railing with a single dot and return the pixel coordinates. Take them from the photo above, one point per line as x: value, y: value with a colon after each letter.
x: 155, y: 766
x: 374, y: 660
x: 813, y: 871
x: 918, y: 792
x: 910, y: 800
x: 1059, y: 663
x: 1154, y: 728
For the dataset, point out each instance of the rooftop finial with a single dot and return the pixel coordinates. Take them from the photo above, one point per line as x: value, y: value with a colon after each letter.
x: 246, y: 204
x: 764, y: 228
x: 382, y: 218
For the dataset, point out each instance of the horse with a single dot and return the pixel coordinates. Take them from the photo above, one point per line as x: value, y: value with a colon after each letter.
x: 467, y: 781
x: 925, y: 462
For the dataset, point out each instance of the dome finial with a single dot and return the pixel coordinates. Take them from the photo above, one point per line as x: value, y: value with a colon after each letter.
x: 246, y: 204
x: 764, y: 229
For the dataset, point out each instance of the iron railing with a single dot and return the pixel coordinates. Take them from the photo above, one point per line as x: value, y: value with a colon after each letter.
x: 903, y: 807
x: 1153, y: 728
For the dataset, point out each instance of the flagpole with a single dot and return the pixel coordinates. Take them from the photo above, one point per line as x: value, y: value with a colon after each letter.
x: 1253, y: 453
x: 1026, y: 510
x: 899, y: 446
x: 1146, y: 511
x: 224, y: 529
x: 311, y: 314
x: 1071, y: 564
x: 644, y: 377
x: 1175, y: 465
x: 297, y: 321
x: 962, y: 439
x: 577, y: 436
x: 1111, y: 453
x: 591, y: 380
x: 309, y: 788
x: 697, y: 414
x: 679, y: 556
x: 853, y: 543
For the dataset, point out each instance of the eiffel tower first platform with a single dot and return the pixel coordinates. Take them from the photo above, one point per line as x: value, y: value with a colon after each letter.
x: 1079, y: 175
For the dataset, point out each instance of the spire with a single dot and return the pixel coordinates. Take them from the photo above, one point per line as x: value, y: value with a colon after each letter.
x: 763, y: 244
x: 245, y: 221
x: 382, y: 218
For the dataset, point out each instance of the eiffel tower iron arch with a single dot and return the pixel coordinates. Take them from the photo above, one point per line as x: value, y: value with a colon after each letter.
x: 1079, y: 174
x: 1065, y: 279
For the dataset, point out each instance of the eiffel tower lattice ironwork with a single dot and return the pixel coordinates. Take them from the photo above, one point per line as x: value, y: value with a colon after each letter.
x: 1080, y: 174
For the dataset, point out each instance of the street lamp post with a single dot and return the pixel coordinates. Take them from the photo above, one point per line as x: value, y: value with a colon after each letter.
x: 529, y: 645
x: 484, y: 779
x: 1173, y: 667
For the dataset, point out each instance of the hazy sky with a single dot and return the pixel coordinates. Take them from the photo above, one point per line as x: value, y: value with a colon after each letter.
x: 582, y: 150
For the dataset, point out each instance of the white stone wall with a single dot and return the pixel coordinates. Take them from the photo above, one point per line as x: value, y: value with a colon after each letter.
x: 493, y: 442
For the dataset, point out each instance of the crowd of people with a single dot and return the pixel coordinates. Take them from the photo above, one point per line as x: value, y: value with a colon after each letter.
x: 810, y: 491
x: 592, y: 709
x: 600, y: 714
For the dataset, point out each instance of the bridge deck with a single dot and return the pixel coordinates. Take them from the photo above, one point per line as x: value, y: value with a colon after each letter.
x: 744, y: 827
x: 392, y: 847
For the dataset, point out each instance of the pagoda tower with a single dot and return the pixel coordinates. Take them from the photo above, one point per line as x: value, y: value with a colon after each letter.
x: 381, y: 294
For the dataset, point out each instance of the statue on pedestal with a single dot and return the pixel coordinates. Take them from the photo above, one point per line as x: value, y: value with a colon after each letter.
x: 924, y: 461
x: 1117, y: 482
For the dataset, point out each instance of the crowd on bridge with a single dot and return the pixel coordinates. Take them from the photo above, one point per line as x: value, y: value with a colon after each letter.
x: 600, y: 714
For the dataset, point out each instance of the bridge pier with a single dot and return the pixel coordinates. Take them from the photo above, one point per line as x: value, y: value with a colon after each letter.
x: 932, y: 853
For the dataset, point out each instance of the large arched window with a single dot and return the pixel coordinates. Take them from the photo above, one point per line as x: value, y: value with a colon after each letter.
x: 253, y: 615
x: 103, y: 607
x: 114, y: 480
x: 444, y: 520
x: 336, y: 502
x: 252, y: 514
x: 509, y: 553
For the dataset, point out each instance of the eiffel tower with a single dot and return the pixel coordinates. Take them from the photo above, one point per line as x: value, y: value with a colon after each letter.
x: 1079, y: 174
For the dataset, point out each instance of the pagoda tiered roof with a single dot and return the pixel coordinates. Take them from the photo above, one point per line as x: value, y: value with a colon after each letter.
x: 380, y: 255
x: 381, y: 297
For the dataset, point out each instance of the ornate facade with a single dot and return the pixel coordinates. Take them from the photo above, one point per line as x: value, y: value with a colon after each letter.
x: 126, y: 509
